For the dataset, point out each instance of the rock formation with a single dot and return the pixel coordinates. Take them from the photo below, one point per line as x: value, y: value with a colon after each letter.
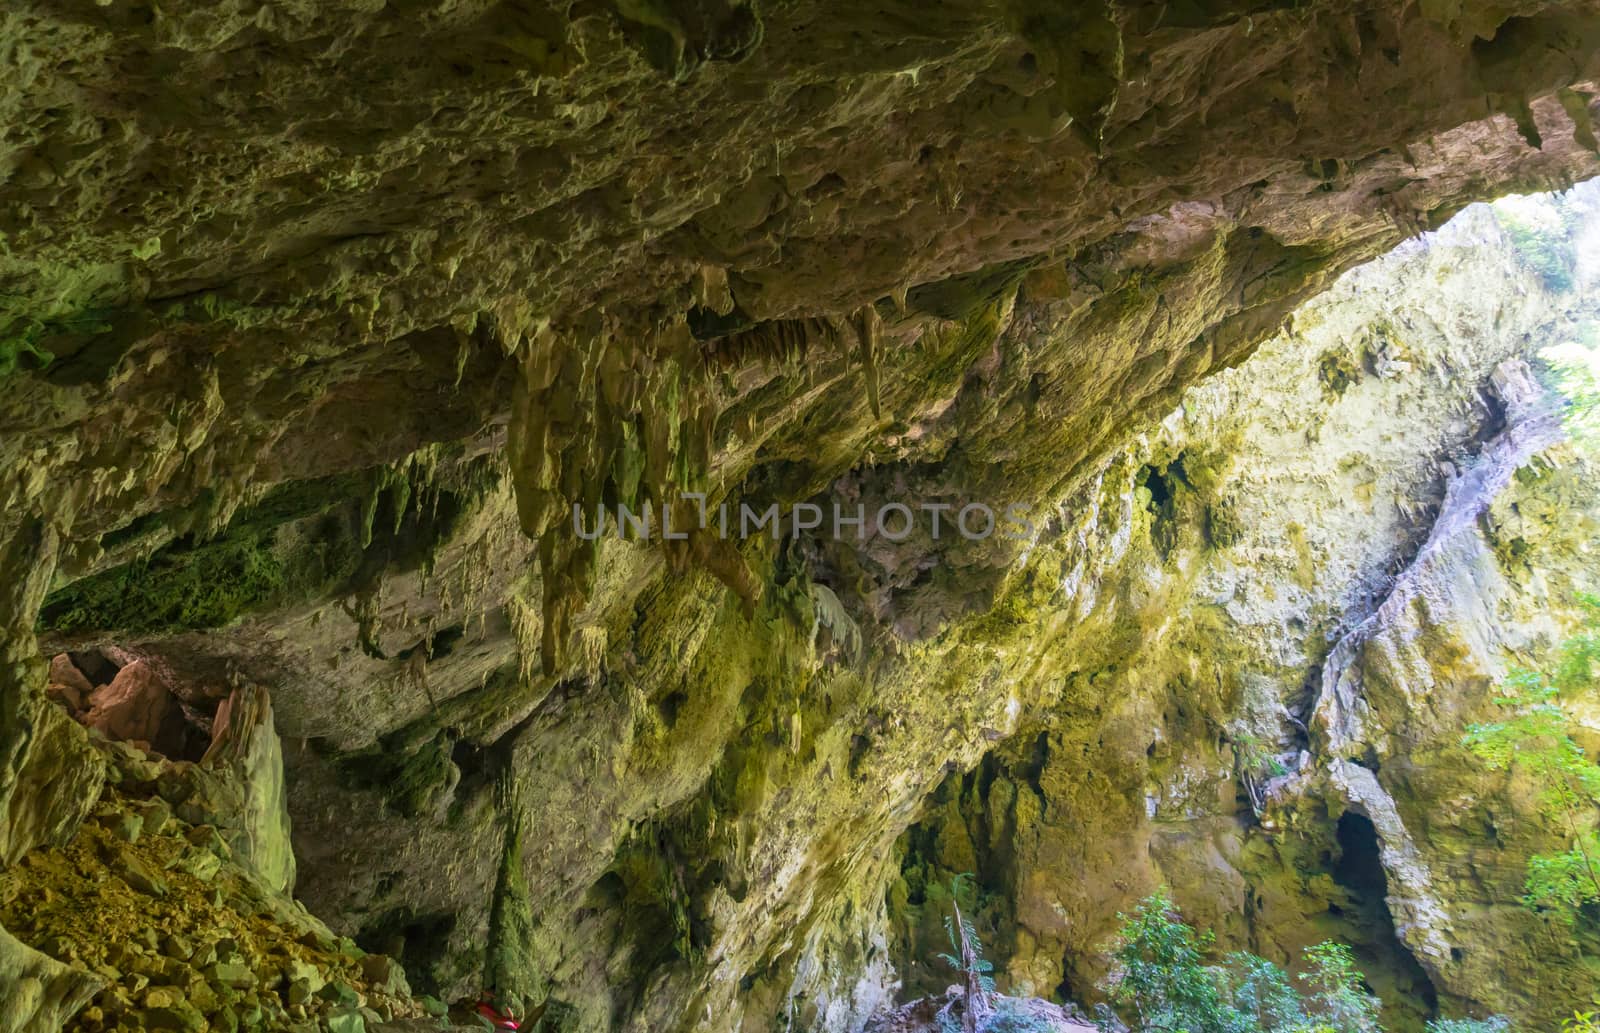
x: 1312, y: 602
x: 317, y: 321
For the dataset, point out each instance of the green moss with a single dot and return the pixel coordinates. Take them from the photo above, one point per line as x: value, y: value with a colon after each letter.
x: 207, y: 588
x: 657, y: 902
x: 1338, y: 370
x: 412, y: 781
x: 510, y: 967
x: 197, y: 585
x: 60, y: 301
x: 20, y: 348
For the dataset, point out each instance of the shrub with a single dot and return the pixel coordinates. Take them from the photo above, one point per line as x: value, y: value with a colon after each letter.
x: 1338, y: 999
x: 1537, y: 736
x: 1166, y: 986
x: 1165, y: 982
x: 1582, y: 1022
x: 1493, y: 1024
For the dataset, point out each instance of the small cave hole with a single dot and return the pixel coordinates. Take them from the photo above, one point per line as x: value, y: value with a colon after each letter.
x: 1068, y: 989
x: 1360, y: 867
x: 418, y: 941
x: 445, y: 641
x: 608, y: 893
x: 1159, y: 486
x: 860, y: 746
x: 670, y: 706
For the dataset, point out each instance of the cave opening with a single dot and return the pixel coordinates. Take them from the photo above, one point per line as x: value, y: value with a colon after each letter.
x: 419, y: 941
x: 1163, y: 483
x: 1390, y: 969
x: 1359, y: 867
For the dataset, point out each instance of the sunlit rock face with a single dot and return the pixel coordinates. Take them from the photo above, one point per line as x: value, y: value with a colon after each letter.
x: 1324, y: 564
x: 317, y: 320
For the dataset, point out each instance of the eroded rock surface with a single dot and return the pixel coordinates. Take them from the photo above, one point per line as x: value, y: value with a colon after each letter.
x: 316, y: 318
x: 1310, y: 603
x: 152, y: 919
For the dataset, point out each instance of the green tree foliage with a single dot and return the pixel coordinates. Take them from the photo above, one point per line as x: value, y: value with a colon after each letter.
x: 1536, y: 736
x: 1167, y: 985
x: 1262, y: 991
x: 1540, y: 228
x: 1337, y: 1000
x: 1582, y: 1022
x: 1493, y: 1024
x: 1574, y: 368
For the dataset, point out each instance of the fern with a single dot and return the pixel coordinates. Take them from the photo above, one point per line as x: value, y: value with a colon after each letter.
x: 967, y: 958
x: 982, y: 966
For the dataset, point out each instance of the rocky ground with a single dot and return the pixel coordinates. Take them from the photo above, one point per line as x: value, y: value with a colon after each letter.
x: 185, y: 939
x: 1001, y: 1014
x: 165, y: 923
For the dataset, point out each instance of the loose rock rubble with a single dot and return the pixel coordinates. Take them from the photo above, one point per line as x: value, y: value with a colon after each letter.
x: 186, y: 937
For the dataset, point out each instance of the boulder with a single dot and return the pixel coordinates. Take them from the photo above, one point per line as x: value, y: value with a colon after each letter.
x: 139, y: 875
x: 385, y: 974
x: 202, y: 864
x: 298, y: 971
x: 181, y: 1017
x: 129, y: 764
x: 156, y: 813
x: 37, y: 992
x: 347, y: 1020
x: 56, y: 788
x: 245, y: 745
x: 135, y: 707
x: 67, y: 696
x: 230, y: 974
x: 127, y: 827
x: 65, y: 673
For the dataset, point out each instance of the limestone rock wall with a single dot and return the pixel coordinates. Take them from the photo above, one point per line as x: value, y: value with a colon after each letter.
x: 1279, y: 740
x: 313, y: 314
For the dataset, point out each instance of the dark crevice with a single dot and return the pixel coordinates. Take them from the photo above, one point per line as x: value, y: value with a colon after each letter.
x: 418, y: 941
x: 1358, y: 870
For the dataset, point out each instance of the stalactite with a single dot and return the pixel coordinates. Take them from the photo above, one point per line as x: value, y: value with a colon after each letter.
x: 869, y: 330
x: 526, y: 630
x: 1516, y: 107
x: 599, y: 420
x: 781, y: 341
x: 1576, y: 104
x: 711, y: 289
